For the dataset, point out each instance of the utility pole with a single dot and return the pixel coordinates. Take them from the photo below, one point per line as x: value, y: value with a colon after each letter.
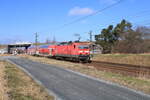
x: 90, y: 34
x: 54, y: 40
x: 36, y: 40
x: 92, y: 46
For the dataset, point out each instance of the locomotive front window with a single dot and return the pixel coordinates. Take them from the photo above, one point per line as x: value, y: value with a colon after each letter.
x: 74, y: 46
x: 83, y: 47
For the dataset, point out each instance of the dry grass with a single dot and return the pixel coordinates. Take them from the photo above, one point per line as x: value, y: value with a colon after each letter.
x: 131, y: 82
x: 3, y: 88
x: 5, y: 54
x: 22, y: 87
x: 134, y: 59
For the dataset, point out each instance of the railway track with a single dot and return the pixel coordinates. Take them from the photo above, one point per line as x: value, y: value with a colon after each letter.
x: 124, y: 69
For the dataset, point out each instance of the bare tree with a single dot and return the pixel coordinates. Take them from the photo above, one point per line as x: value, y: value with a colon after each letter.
x: 134, y: 41
x: 145, y: 34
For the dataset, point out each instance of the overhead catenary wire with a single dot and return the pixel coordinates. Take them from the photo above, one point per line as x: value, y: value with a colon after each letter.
x: 90, y: 15
x: 95, y: 13
x: 136, y: 15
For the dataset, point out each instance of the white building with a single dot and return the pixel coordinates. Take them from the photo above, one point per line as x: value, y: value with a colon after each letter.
x: 3, y: 51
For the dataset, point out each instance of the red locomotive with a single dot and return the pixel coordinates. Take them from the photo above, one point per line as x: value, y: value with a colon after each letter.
x: 75, y: 51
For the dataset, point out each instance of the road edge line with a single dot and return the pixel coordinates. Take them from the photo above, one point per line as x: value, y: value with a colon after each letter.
x: 103, y: 81
x: 56, y: 97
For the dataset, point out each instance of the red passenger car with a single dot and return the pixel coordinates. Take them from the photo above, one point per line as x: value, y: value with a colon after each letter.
x: 43, y: 50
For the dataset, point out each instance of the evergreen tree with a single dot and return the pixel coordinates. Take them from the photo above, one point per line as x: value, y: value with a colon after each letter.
x: 110, y: 36
x: 105, y: 39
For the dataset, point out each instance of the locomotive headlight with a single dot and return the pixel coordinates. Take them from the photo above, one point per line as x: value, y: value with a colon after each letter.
x: 86, y: 51
x: 80, y: 51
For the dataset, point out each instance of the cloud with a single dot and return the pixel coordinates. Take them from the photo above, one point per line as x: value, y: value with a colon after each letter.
x: 80, y: 11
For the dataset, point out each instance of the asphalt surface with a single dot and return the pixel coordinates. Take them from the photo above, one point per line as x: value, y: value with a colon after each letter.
x: 67, y: 85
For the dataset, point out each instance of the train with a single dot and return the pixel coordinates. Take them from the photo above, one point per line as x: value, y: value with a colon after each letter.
x: 74, y: 51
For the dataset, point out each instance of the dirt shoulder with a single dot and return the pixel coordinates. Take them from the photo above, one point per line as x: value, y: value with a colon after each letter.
x: 19, y: 85
x: 137, y: 83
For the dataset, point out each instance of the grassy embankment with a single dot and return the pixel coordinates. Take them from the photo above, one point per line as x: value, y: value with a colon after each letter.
x: 3, y: 83
x: 5, y: 54
x: 19, y: 86
x: 134, y: 59
x: 137, y: 83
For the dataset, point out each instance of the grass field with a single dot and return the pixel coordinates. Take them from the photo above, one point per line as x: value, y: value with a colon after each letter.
x: 3, y: 83
x: 137, y: 83
x: 20, y: 86
x: 5, y: 54
x: 134, y: 59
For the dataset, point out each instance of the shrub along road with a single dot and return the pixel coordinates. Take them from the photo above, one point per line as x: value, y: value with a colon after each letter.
x: 67, y: 85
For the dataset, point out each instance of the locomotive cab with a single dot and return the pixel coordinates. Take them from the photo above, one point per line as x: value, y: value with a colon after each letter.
x: 83, y: 51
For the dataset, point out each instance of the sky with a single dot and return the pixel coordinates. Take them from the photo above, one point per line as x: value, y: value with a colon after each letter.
x: 20, y: 19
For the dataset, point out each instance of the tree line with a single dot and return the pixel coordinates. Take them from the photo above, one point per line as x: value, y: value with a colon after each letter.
x: 123, y: 38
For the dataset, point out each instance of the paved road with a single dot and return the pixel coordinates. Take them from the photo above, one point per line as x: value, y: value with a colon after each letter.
x: 71, y: 86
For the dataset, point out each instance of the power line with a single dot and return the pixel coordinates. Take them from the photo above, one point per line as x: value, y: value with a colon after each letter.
x: 95, y: 13
x: 143, y: 21
x: 139, y: 14
x: 147, y: 24
x: 136, y: 15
